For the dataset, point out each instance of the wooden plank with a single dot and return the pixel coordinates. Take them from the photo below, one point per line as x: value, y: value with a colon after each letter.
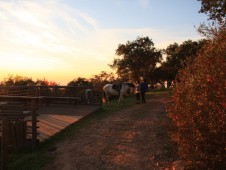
x: 4, y: 144
x: 34, y: 122
x: 11, y: 139
x: 24, y: 132
x: 13, y: 135
x: 50, y: 99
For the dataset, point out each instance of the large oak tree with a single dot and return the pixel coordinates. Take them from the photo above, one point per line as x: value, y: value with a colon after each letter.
x: 137, y: 59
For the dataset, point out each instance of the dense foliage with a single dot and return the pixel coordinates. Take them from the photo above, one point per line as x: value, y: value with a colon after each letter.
x: 138, y: 58
x: 198, y: 108
x: 80, y: 82
x: 25, y: 81
x: 216, y: 10
x: 101, y: 79
x: 177, y: 57
x: 97, y: 81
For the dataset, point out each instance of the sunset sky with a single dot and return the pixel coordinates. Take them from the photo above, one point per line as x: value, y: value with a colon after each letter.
x: 60, y: 40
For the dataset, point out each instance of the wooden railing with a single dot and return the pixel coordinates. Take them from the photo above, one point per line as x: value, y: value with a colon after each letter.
x: 72, y: 91
x: 14, y: 129
x: 49, y: 94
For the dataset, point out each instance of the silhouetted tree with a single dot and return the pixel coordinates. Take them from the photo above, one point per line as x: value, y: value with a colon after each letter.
x: 178, y: 57
x: 79, y: 82
x: 138, y: 58
x: 216, y: 10
x: 101, y: 79
x: 45, y: 82
x: 17, y: 81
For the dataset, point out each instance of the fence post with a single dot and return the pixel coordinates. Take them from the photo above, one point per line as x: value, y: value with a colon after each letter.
x: 34, y: 122
x: 4, y: 144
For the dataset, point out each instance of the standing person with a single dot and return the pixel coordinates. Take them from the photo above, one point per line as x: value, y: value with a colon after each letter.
x: 137, y: 91
x: 88, y: 94
x: 143, y: 89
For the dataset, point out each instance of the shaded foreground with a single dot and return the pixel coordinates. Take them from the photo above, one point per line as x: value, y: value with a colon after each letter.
x: 133, y: 138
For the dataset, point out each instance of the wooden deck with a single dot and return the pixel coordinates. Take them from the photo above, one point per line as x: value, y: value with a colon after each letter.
x: 54, y: 118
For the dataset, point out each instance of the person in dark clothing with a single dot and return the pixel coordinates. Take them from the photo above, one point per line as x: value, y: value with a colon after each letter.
x: 143, y: 89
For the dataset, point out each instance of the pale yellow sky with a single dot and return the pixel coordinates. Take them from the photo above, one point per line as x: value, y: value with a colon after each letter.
x: 61, y: 39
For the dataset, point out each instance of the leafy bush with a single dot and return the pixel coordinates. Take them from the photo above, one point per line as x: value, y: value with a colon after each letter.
x: 198, y: 108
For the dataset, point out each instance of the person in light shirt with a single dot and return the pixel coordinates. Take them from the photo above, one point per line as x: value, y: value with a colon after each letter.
x: 137, y: 92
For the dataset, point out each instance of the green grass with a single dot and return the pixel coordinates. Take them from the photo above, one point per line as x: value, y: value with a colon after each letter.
x: 158, y: 91
x: 35, y: 159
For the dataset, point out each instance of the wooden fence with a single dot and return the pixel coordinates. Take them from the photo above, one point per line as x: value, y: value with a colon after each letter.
x: 13, y: 138
x: 54, y: 94
x: 13, y: 129
x: 19, y: 102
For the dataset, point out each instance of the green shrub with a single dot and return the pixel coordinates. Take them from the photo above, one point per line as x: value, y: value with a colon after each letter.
x: 198, y: 108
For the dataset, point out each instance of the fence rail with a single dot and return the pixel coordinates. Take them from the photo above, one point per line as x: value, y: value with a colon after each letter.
x: 60, y: 94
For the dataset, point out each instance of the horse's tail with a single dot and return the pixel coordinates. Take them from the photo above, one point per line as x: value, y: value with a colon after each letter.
x: 104, y: 98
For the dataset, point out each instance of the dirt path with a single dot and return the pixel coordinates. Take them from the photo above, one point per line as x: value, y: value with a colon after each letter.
x: 135, y: 138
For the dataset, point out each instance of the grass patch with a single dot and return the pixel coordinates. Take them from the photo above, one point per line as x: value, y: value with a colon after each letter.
x: 157, y: 92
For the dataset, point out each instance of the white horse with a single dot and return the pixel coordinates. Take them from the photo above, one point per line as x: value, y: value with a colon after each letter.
x: 120, y: 90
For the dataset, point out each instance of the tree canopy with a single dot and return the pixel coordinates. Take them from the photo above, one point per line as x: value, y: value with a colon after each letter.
x: 138, y: 59
x: 79, y: 82
x: 216, y: 10
x: 178, y: 56
x: 26, y: 81
x: 101, y: 79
